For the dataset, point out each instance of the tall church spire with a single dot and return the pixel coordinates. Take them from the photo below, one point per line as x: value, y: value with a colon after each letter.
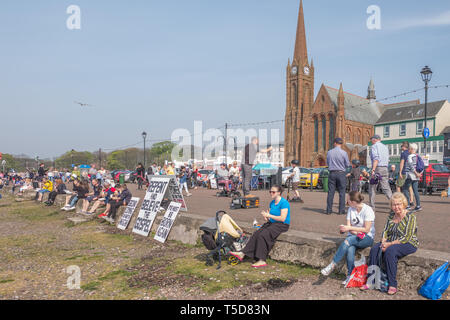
x: 301, y: 53
x: 371, y: 91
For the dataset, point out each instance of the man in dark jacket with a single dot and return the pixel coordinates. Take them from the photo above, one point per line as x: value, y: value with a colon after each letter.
x: 123, y: 199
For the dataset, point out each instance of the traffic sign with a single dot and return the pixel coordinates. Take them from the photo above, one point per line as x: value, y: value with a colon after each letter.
x: 426, y: 133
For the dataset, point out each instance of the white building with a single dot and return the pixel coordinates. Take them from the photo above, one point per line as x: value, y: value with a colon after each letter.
x: 405, y: 123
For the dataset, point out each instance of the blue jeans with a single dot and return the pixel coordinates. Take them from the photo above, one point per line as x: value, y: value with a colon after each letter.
x: 348, y: 247
x: 415, y: 187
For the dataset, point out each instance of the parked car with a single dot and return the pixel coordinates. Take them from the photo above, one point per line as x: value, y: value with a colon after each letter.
x: 436, y: 177
x: 116, y: 174
x: 305, y: 180
x: 286, y: 172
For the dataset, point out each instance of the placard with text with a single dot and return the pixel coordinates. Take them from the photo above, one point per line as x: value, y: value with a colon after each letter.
x: 128, y: 213
x: 167, y: 222
x: 150, y: 205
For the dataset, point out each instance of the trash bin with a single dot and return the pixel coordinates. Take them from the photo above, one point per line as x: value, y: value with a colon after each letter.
x: 325, y: 174
x: 122, y: 178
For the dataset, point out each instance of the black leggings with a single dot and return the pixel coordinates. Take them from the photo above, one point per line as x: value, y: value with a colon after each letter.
x: 113, y: 209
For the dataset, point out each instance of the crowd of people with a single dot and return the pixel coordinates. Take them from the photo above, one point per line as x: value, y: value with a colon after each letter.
x: 398, y: 238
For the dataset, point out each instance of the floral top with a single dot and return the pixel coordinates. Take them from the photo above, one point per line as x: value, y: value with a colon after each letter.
x: 405, y: 231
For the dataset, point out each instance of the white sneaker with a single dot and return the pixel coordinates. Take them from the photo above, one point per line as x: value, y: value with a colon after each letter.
x: 328, y: 269
x: 345, y: 281
x: 70, y: 208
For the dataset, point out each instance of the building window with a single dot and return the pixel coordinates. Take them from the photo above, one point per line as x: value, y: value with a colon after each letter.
x: 386, y: 131
x: 419, y: 127
x: 331, y: 137
x: 324, y: 133
x: 434, y: 146
x: 295, y: 92
x: 316, y: 135
x: 441, y: 146
x: 390, y: 149
x: 402, y: 129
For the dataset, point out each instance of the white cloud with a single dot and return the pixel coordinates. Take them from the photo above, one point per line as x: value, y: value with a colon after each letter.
x: 442, y: 19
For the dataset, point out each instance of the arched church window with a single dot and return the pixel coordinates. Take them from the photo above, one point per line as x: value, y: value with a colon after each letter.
x: 324, y: 133
x: 331, y: 137
x: 316, y: 134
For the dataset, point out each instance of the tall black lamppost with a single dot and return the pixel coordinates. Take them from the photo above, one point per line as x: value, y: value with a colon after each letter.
x: 426, y: 77
x: 144, y: 135
x: 426, y: 74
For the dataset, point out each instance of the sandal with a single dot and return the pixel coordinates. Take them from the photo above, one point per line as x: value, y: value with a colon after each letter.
x: 392, y: 291
x: 364, y: 287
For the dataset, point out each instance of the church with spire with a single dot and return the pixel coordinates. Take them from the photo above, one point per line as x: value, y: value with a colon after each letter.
x: 311, y: 124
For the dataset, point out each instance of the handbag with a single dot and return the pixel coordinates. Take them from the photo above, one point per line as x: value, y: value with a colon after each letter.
x: 377, y: 277
x: 437, y: 283
x: 359, y: 274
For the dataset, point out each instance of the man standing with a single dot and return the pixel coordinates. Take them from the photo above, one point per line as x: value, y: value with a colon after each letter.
x: 338, y: 162
x: 392, y: 177
x: 379, y: 154
x: 250, y: 152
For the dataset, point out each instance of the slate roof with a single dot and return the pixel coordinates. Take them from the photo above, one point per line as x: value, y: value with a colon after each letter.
x: 357, y: 108
x: 411, y: 112
x: 446, y: 130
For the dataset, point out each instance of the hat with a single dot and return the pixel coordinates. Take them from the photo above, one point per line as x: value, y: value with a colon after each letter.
x: 376, y: 136
x: 339, y: 141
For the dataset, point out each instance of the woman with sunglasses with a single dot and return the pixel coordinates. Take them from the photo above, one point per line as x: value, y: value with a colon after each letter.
x: 278, y: 219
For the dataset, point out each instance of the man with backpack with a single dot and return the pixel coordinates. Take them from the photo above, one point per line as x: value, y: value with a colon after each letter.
x: 414, y: 169
x: 379, y: 154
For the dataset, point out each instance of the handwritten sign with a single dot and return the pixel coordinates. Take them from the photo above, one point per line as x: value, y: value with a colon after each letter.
x: 175, y: 193
x: 128, y: 213
x: 150, y: 205
x: 167, y: 222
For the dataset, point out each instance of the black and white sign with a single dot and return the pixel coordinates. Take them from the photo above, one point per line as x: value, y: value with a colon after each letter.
x: 167, y: 221
x: 175, y: 193
x: 128, y: 213
x: 150, y: 205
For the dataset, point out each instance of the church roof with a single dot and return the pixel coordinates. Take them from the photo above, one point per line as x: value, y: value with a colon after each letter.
x: 357, y: 108
x: 411, y: 112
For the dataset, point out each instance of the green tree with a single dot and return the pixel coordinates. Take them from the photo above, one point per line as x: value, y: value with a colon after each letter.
x: 161, y: 151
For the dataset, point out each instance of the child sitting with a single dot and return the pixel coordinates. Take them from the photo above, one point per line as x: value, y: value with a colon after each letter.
x: 47, y: 186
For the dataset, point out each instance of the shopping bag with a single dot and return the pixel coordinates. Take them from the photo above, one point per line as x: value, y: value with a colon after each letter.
x: 359, y: 274
x: 437, y: 283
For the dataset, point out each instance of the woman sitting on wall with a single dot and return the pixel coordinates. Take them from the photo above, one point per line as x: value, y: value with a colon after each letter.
x: 262, y: 241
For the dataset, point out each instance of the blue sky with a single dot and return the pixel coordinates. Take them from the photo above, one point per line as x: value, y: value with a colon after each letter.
x: 160, y: 65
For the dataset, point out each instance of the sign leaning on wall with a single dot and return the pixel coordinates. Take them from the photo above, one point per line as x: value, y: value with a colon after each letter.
x: 167, y: 222
x: 175, y: 194
x: 150, y: 205
x: 128, y: 213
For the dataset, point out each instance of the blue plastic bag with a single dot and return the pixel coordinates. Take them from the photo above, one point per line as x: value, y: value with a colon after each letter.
x: 437, y: 283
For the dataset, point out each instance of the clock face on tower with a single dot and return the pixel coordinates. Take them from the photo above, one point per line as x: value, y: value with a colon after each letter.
x: 306, y: 70
x: 294, y: 70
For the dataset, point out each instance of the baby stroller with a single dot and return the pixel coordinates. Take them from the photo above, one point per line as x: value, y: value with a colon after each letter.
x: 222, y: 235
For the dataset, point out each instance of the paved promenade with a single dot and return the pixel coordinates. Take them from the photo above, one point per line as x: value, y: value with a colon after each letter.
x: 433, y: 221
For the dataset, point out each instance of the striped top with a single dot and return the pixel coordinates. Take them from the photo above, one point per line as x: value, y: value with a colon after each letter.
x: 405, y: 231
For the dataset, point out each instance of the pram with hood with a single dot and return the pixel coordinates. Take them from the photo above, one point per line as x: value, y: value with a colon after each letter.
x: 222, y: 235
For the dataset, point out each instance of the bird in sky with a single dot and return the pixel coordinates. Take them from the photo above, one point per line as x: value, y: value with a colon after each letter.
x: 83, y: 104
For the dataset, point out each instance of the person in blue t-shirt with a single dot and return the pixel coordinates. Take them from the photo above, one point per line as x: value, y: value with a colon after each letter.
x: 278, y: 219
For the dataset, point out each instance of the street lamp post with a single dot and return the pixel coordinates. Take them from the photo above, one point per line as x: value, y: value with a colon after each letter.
x: 144, y: 135
x: 426, y: 74
x: 426, y: 77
